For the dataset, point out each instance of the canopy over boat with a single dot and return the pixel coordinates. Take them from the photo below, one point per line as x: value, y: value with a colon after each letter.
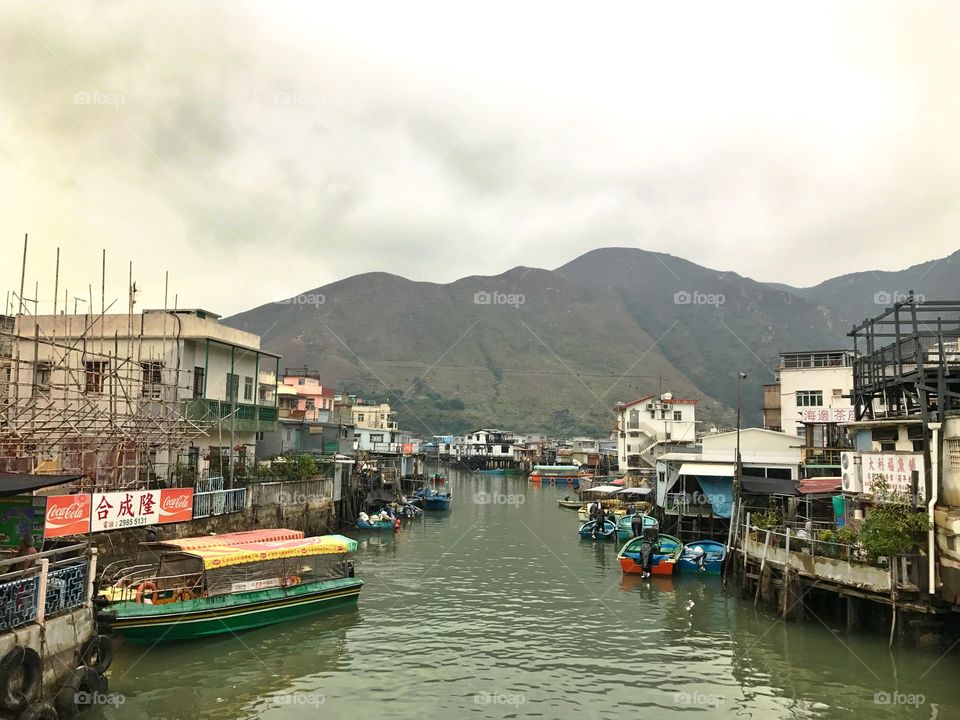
x: 235, y: 538
x: 557, y: 468
x: 219, y: 556
x: 604, y: 489
x: 635, y: 491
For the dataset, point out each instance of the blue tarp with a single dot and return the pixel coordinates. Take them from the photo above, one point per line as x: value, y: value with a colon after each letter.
x: 719, y: 492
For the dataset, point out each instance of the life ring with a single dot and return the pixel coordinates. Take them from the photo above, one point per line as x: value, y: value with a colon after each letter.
x: 148, y: 586
x: 79, y: 692
x: 183, y: 594
x: 98, y: 653
x: 291, y: 580
x: 16, y: 694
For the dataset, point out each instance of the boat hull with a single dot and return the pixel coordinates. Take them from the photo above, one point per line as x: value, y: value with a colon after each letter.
x: 625, y: 525
x: 609, y: 531
x: 379, y: 526
x: 436, y: 503
x: 659, y: 565
x: 715, y: 554
x: 662, y: 562
x: 205, y: 617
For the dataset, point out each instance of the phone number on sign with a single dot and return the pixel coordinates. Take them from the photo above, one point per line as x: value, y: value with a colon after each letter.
x: 125, y: 522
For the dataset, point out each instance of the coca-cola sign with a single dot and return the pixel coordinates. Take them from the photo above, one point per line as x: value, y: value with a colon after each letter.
x: 67, y: 515
x: 176, y: 505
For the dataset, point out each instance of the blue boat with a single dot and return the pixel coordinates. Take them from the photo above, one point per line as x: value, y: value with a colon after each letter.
x: 380, y: 525
x: 434, y: 499
x: 609, y: 531
x: 708, y: 562
x: 625, y: 525
x: 495, y: 471
x: 666, y: 553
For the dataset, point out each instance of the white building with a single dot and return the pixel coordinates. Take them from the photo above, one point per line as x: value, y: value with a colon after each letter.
x: 646, y: 427
x: 156, y: 388
x: 815, y: 387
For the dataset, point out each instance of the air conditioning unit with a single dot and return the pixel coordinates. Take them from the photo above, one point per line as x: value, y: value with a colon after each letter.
x: 649, y: 406
x: 850, y: 464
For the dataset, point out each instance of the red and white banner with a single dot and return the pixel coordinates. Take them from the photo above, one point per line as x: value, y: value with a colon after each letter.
x: 80, y: 514
x: 136, y: 508
x: 67, y: 515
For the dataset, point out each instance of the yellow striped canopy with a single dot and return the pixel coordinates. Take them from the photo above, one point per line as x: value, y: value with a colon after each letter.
x: 221, y: 556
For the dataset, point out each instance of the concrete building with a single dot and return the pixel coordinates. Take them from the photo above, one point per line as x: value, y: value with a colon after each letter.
x: 128, y: 399
x: 814, y: 387
x: 314, y: 401
x: 649, y: 426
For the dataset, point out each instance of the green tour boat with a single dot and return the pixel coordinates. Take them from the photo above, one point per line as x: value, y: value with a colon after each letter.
x: 189, y: 592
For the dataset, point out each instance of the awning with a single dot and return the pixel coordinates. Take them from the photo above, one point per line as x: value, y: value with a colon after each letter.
x: 815, y: 486
x: 635, y: 491
x: 244, y: 537
x: 753, y: 485
x: 220, y: 556
x: 16, y: 484
x: 707, y: 469
x: 603, y: 489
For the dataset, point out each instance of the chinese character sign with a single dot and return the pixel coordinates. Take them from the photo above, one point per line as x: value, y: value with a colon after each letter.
x: 897, y: 469
x: 135, y: 508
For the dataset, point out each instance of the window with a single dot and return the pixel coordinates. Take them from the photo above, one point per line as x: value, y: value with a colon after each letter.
x: 198, y: 382
x: 300, y: 381
x: 248, y: 388
x: 94, y: 370
x: 152, y: 378
x: 376, y: 437
x: 504, y: 449
x: 41, y: 378
x: 233, y: 386
x: 360, y: 418
x: 809, y: 398
x: 634, y: 419
x: 677, y: 416
x: 310, y: 404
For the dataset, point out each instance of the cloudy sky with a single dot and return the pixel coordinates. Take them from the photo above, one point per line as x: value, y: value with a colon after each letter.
x: 258, y: 150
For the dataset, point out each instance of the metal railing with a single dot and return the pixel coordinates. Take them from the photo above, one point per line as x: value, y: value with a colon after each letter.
x: 219, y: 502
x: 62, y: 577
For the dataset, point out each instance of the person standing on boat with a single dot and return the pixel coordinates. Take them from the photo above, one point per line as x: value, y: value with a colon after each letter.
x: 601, y: 518
x: 636, y: 525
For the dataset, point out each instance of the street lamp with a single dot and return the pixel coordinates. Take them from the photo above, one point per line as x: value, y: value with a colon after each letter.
x: 741, y: 376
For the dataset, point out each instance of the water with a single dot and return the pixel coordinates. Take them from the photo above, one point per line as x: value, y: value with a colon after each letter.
x: 498, y: 610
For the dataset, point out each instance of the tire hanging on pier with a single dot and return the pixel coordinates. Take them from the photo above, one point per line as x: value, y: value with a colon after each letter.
x: 98, y: 653
x: 16, y: 694
x: 38, y: 711
x: 79, y: 692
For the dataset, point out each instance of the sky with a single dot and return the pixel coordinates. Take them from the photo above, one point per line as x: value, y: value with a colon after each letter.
x: 258, y: 150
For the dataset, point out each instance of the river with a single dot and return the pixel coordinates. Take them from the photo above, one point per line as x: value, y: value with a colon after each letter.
x: 496, y: 609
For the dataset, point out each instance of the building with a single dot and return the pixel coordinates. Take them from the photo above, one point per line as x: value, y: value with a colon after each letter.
x: 814, y: 387
x: 313, y: 400
x: 375, y: 430
x: 129, y: 399
x: 649, y: 426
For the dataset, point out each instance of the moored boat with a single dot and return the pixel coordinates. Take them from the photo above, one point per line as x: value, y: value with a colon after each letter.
x: 666, y: 552
x: 185, y: 594
x: 570, y: 504
x: 378, y: 523
x: 432, y: 499
x: 554, y: 473
x: 625, y: 525
x: 708, y: 562
x: 608, y: 532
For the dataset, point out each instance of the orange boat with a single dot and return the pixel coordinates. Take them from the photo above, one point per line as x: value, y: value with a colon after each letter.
x: 666, y: 552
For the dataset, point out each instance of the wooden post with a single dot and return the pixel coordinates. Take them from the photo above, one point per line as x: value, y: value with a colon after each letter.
x: 763, y: 562
x: 92, y: 576
x: 42, y: 591
x: 788, y: 542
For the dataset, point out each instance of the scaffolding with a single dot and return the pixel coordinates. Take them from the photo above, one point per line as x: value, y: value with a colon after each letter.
x: 92, y: 395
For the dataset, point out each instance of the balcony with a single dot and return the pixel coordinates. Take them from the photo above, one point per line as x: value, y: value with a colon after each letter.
x: 246, y: 418
x: 827, y: 456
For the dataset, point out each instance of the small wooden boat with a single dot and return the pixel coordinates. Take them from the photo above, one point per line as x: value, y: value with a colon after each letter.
x: 611, y: 507
x: 625, y: 525
x: 609, y: 531
x: 570, y: 504
x: 666, y: 552
x: 185, y: 594
x: 494, y: 471
x: 555, y: 474
x: 708, y: 562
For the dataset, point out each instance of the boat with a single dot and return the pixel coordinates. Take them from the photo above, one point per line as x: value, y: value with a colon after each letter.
x: 710, y: 562
x: 186, y: 594
x: 609, y: 531
x: 438, y: 479
x: 432, y: 499
x: 666, y: 552
x: 556, y: 474
x: 625, y: 524
x: 494, y: 471
x: 571, y: 504
x: 366, y: 522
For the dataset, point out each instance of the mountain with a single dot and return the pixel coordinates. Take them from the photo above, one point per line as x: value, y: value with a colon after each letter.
x: 865, y: 294
x: 554, y: 350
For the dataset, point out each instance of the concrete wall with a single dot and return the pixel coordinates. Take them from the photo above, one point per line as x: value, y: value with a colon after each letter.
x: 865, y: 577
x: 58, y: 643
